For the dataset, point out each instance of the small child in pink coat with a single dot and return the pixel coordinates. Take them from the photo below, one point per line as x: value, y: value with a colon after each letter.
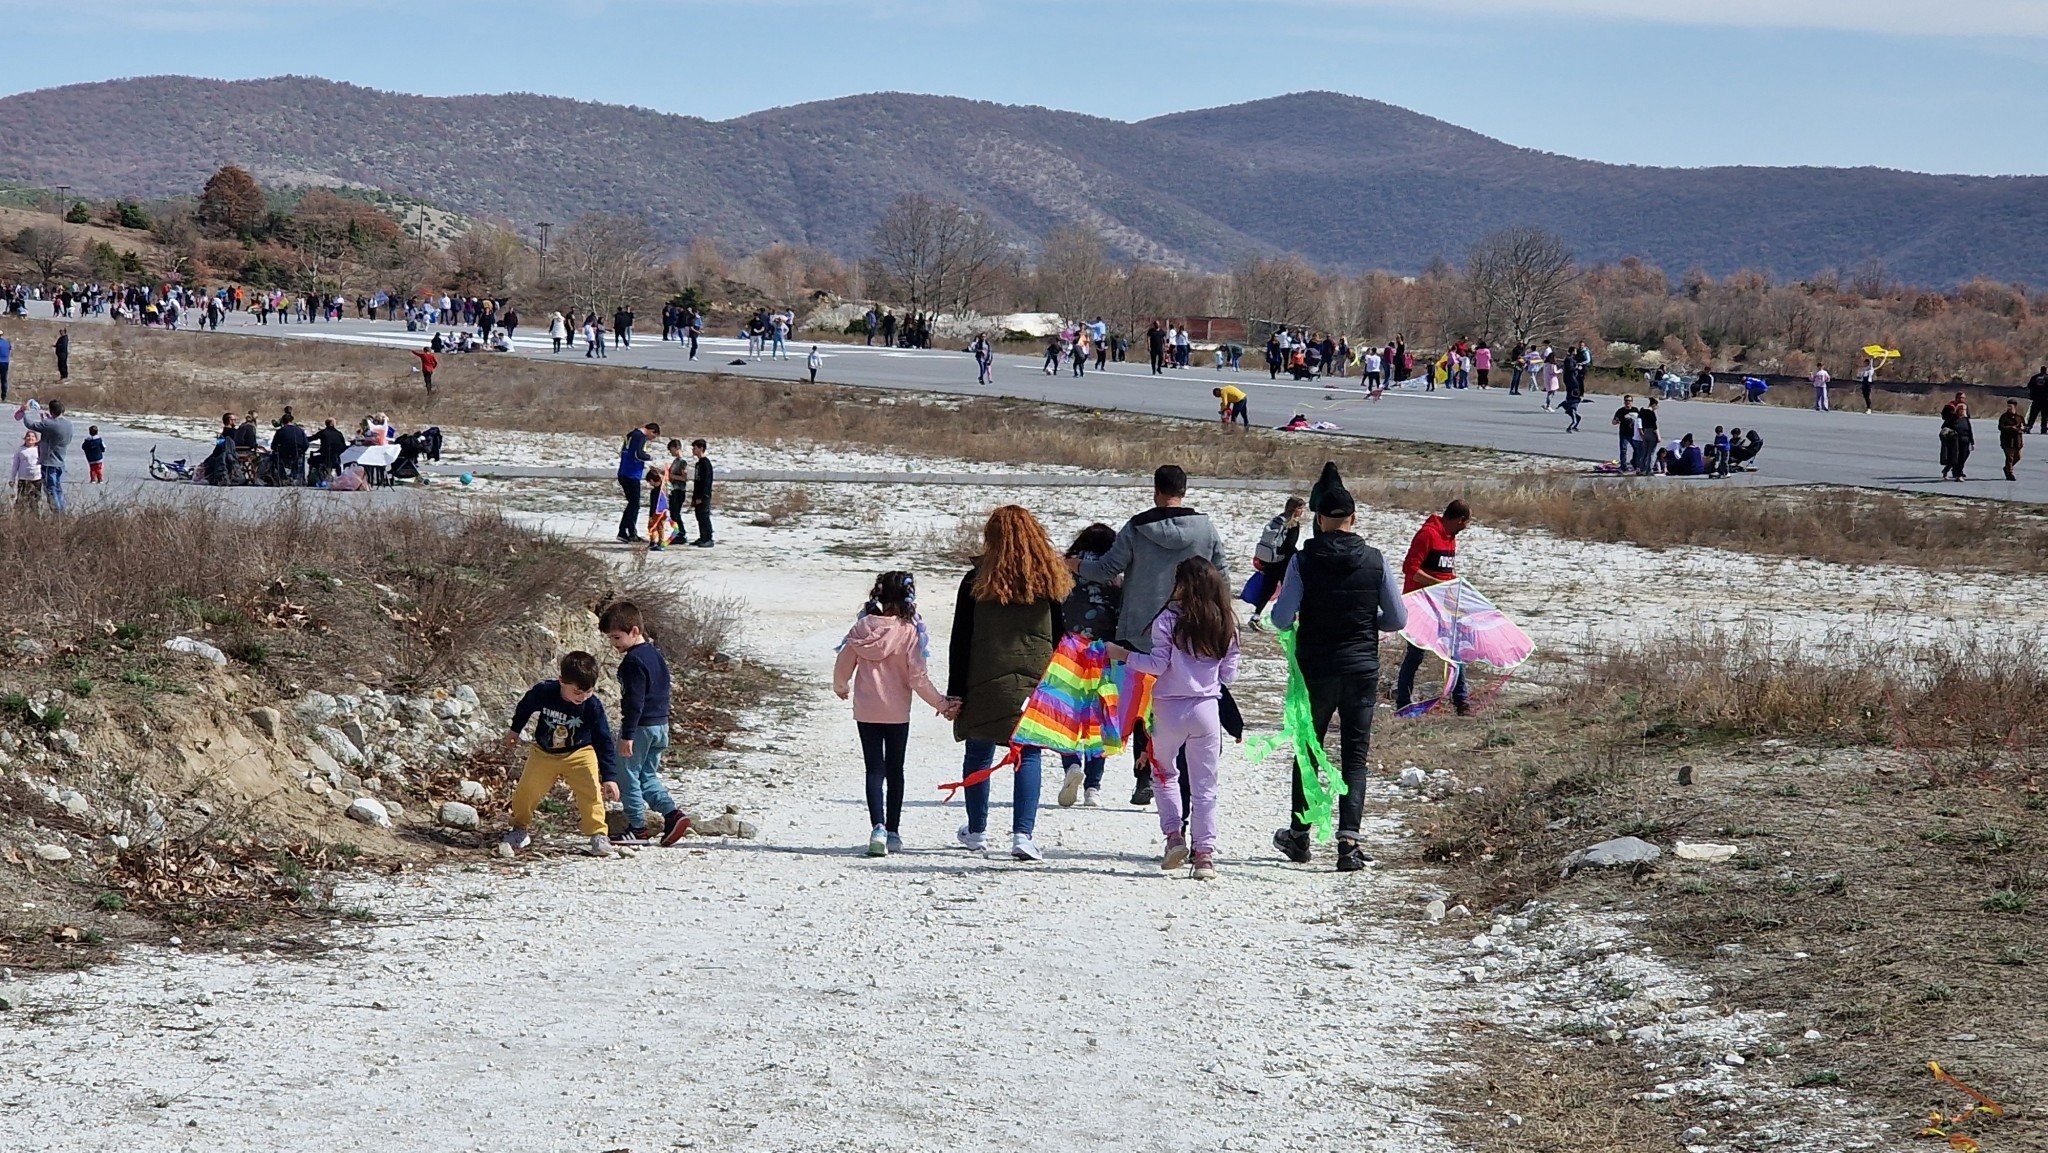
x: 881, y: 663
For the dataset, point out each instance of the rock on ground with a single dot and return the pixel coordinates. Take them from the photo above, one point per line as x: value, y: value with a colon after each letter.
x: 369, y: 811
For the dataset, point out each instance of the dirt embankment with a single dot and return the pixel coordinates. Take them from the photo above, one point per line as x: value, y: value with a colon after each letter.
x: 196, y: 753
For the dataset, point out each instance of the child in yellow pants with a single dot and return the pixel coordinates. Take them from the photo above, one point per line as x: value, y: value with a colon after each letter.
x: 572, y: 741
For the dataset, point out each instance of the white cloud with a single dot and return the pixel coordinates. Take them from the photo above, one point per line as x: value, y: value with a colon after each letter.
x: 2002, y: 18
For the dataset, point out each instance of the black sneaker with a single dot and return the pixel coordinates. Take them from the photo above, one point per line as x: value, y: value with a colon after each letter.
x: 673, y: 827
x: 1142, y: 795
x: 1293, y: 844
x: 1350, y: 856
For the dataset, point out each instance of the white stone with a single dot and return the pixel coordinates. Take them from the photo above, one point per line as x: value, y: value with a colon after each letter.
x: 1733, y: 1059
x: 1703, y: 851
x: 1617, y: 853
x: 370, y: 812
x: 1413, y: 778
x: 466, y: 695
x: 457, y: 815
x: 1813, y: 1034
x: 55, y: 854
x: 200, y: 649
x: 1694, y: 1135
x: 316, y: 707
x: 338, y: 745
x: 472, y: 791
x: 323, y: 763
x: 1433, y: 912
x: 74, y: 802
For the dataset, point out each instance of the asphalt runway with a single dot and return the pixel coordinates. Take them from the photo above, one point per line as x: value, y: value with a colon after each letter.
x: 1844, y: 447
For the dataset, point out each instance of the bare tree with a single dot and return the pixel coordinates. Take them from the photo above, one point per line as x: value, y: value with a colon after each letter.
x: 1523, y: 281
x: 604, y: 262
x: 1074, y: 275
x: 935, y: 257
x: 1269, y: 293
x: 48, y: 250
x: 484, y: 261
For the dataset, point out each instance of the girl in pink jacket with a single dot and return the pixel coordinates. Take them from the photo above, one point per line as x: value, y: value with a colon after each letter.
x: 881, y: 663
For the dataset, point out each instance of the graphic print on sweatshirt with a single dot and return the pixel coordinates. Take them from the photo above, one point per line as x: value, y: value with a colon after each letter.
x: 557, y: 731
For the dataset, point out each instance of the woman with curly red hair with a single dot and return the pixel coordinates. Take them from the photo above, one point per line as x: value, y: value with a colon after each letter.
x: 1006, y: 624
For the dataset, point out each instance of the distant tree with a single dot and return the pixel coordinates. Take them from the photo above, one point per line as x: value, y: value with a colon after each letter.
x: 483, y: 262
x: 604, y: 261
x: 1523, y: 282
x: 935, y: 257
x: 48, y: 250
x: 1271, y: 292
x: 1075, y: 276
x: 79, y: 214
x: 129, y: 214
x: 231, y: 204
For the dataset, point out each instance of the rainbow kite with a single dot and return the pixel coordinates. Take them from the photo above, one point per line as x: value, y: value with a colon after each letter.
x: 1459, y: 625
x: 1321, y: 783
x: 1085, y: 704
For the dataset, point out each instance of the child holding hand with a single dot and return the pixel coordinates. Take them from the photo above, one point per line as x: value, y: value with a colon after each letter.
x: 881, y: 663
x: 1194, y: 654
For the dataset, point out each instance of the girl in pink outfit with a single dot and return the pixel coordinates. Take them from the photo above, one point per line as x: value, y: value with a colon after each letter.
x: 1194, y: 654
x: 881, y: 663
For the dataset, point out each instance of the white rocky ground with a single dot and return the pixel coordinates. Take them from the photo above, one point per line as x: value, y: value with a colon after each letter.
x: 789, y: 994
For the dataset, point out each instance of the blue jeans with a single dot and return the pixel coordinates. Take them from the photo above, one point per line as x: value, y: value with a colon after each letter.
x: 1091, y: 768
x: 1023, y: 799
x: 53, y: 486
x: 640, y: 787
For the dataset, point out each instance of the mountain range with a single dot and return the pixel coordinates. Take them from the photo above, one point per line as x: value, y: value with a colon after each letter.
x: 1347, y: 183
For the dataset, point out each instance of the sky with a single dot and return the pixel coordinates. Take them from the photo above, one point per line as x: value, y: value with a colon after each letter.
x: 1929, y: 85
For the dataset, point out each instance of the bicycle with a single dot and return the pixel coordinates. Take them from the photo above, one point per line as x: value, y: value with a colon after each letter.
x: 177, y: 469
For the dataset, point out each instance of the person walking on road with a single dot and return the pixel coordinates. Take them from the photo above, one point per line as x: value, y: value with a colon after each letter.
x: 1341, y: 598
x: 1144, y: 556
x: 633, y: 458
x: 1433, y: 559
x: 1957, y: 439
x: 2011, y: 436
x: 2037, y: 399
x: 1820, y: 387
x: 63, y: 350
x: 1007, y: 622
x: 1155, y: 347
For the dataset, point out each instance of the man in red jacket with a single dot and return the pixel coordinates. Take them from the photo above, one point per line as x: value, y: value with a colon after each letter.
x: 1432, y: 558
x: 428, y: 363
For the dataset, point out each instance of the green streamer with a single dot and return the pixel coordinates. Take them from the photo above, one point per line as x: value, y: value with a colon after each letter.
x: 1298, y: 734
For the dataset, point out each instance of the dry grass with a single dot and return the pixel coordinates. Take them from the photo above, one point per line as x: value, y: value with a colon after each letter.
x: 1844, y: 526
x: 1889, y: 833
x: 408, y: 592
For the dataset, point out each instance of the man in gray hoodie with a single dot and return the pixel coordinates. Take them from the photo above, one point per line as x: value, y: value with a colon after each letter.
x: 56, y: 435
x: 1148, y: 549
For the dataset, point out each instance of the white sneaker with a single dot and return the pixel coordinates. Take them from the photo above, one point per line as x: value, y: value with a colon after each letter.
x: 1022, y: 848
x: 1070, y: 789
x: 517, y: 839
x: 878, y: 842
x: 973, y: 842
x: 1091, y: 799
x: 600, y: 846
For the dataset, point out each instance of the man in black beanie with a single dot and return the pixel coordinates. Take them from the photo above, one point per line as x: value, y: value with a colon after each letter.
x: 1343, y: 596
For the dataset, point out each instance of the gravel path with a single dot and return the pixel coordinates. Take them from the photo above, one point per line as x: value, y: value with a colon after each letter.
x: 785, y: 994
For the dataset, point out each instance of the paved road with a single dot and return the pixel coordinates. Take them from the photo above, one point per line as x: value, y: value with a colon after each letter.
x: 1882, y: 450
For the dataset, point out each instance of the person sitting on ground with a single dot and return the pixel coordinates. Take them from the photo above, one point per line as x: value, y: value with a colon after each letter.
x: 245, y: 432
x: 1745, y: 447
x: 1686, y: 459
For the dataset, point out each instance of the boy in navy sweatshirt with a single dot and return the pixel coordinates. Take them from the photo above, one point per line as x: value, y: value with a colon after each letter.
x: 643, y: 726
x: 572, y: 742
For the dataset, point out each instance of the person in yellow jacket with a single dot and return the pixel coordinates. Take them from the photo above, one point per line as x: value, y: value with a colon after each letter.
x: 1232, y: 405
